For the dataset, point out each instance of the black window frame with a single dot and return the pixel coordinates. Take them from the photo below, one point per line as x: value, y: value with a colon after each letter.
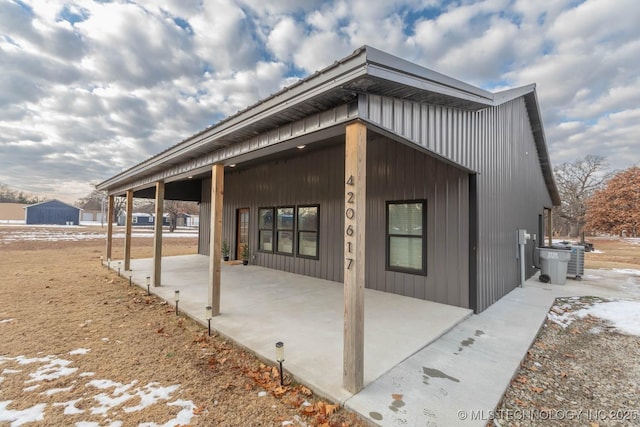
x: 422, y: 271
x: 316, y: 230
x: 293, y: 231
x: 272, y: 229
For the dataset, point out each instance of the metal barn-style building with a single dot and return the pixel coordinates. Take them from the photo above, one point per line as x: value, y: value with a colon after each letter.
x: 374, y: 172
x: 52, y: 212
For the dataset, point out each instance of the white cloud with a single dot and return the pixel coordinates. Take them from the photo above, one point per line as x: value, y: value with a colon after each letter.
x: 285, y: 38
x: 89, y: 88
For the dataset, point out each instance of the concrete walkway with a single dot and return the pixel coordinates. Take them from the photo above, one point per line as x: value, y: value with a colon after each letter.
x: 464, y: 374
x: 262, y: 306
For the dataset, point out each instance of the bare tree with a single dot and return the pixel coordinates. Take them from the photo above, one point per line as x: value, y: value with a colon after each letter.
x: 97, y: 200
x: 9, y: 195
x: 175, y: 208
x: 577, y: 182
x: 92, y: 201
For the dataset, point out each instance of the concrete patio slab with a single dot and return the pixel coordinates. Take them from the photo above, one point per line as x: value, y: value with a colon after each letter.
x: 261, y: 306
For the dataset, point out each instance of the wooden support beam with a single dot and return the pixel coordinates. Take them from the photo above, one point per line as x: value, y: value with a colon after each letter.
x: 156, y: 277
x: 354, y: 255
x: 127, y: 233
x: 550, y: 226
x: 215, y: 243
x: 110, y: 207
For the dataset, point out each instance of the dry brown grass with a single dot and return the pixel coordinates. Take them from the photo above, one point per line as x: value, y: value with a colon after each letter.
x: 60, y: 298
x: 616, y: 253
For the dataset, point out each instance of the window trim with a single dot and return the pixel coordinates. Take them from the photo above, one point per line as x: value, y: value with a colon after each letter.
x: 423, y: 236
x: 272, y: 229
x: 293, y: 231
x: 299, y: 230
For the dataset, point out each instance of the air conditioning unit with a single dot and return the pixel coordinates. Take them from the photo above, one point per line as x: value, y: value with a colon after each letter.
x: 576, y: 263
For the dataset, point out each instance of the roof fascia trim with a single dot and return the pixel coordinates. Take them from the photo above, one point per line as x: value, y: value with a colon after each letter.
x: 333, y: 77
x: 386, y: 60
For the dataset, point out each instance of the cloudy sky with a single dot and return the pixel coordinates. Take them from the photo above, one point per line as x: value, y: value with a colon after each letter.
x: 90, y: 88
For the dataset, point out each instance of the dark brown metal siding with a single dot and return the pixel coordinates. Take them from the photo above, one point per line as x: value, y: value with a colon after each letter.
x: 313, y: 177
x: 398, y: 172
x: 394, y: 172
x: 498, y: 143
x: 511, y: 195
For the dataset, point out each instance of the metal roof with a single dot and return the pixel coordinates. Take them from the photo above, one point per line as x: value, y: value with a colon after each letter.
x: 366, y: 70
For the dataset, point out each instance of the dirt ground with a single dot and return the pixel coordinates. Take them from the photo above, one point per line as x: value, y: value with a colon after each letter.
x: 99, y: 352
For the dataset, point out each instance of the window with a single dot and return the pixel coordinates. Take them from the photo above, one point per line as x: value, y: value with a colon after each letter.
x: 134, y: 220
x: 308, y: 231
x: 265, y: 229
x: 406, y: 249
x: 284, y: 230
x: 151, y: 219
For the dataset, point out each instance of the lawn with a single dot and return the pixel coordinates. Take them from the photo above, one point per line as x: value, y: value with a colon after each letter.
x: 81, y: 347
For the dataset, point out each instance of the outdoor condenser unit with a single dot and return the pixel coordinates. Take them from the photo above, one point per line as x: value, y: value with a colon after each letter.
x: 576, y: 263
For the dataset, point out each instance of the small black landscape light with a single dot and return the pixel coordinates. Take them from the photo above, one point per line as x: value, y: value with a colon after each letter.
x: 280, y: 359
x: 209, y: 314
x: 177, y: 298
x: 131, y: 274
x: 148, y: 284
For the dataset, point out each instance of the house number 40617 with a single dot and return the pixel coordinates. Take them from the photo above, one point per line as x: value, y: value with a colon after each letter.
x: 350, y: 214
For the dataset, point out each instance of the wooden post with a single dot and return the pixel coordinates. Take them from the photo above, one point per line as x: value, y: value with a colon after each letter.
x: 156, y: 277
x: 354, y: 255
x: 215, y: 243
x: 549, y: 226
x: 110, y: 207
x: 127, y: 233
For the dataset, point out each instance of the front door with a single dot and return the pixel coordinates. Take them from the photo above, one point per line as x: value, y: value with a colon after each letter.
x: 242, y: 233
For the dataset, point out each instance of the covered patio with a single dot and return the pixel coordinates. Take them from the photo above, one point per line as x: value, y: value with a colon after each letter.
x: 260, y: 306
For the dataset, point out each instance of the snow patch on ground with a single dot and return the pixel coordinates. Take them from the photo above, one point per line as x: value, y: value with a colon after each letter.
x: 70, y: 407
x: 55, y: 369
x: 623, y: 315
x: 73, y: 234
x: 111, y: 394
x: 596, y: 251
x: 24, y: 416
x: 80, y: 351
x: 630, y: 271
x: 7, y: 320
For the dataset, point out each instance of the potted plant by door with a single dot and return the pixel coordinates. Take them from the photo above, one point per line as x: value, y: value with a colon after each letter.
x: 245, y: 254
x: 225, y: 250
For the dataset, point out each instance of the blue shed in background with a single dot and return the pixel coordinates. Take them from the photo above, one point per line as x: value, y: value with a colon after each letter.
x: 52, y: 212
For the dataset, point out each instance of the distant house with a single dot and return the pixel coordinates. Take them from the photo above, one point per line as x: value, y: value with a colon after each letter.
x: 140, y: 219
x: 187, y: 220
x: 52, y: 212
x: 92, y: 215
x: 12, y: 212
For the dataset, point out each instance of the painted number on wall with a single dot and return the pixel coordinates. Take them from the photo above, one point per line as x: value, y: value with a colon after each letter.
x: 350, y: 214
